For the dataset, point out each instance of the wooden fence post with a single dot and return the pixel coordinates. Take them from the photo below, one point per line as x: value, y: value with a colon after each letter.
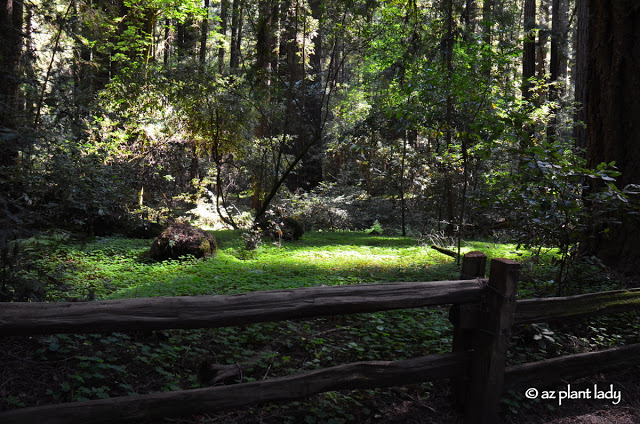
x: 491, y: 342
x: 463, y: 318
x: 473, y: 265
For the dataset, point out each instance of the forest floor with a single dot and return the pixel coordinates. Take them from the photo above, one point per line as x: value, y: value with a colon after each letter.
x: 62, y: 368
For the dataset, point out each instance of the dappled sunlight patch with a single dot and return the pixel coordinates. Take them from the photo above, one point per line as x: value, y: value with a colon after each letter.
x: 350, y: 256
x: 113, y: 268
x: 116, y: 268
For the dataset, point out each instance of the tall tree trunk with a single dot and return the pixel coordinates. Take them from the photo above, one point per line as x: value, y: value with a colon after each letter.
x: 265, y: 41
x: 11, y: 23
x: 187, y: 40
x: 559, y: 38
x: 313, y: 164
x: 307, y: 103
x: 265, y: 47
x: 487, y: 20
x: 543, y: 39
x: 558, y: 56
x: 84, y: 84
x: 529, y: 50
x: 29, y: 57
x: 469, y: 19
x: 166, y: 42
x: 403, y: 206
x: 487, y: 29
x: 612, y: 113
x: 204, y: 32
x: 236, y: 34
x: 448, y: 64
x: 582, y: 37
x: 224, y: 12
x: 45, y: 82
x: 292, y: 71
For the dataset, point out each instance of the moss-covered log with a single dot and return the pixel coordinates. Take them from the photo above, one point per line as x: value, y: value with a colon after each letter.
x: 445, y: 251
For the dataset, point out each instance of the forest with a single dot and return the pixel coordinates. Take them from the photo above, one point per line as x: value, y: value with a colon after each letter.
x: 218, y: 147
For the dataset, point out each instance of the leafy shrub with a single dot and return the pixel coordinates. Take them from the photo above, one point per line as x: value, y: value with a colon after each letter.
x: 375, y: 230
x: 324, y: 208
x: 19, y: 279
x: 330, y: 207
x: 280, y: 227
x: 145, y: 229
x: 252, y: 238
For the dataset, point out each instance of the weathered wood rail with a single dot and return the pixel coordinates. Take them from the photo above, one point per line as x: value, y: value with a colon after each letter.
x: 483, y: 314
x: 359, y: 375
x: 155, y: 313
x: 584, y: 305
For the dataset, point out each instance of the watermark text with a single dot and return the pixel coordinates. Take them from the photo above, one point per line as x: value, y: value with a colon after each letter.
x: 595, y: 392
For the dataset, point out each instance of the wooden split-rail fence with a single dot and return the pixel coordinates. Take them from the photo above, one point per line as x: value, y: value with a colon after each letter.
x: 483, y: 314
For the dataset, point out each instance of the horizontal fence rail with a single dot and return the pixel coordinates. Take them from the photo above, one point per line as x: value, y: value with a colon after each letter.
x: 358, y: 375
x: 549, y: 371
x: 566, y: 307
x: 553, y: 308
x: 157, y: 313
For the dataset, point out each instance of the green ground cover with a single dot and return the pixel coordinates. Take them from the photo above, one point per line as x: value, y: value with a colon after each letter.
x: 105, y: 365
x: 116, y: 267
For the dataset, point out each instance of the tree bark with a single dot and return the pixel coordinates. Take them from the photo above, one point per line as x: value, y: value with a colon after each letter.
x: 11, y: 23
x: 529, y: 50
x: 487, y: 29
x: 579, y: 130
x: 612, y: 112
x: 559, y: 33
x: 265, y: 41
x: 204, y: 32
x: 224, y: 24
x: 448, y: 64
x: 166, y: 42
x: 487, y: 20
x: 558, y: 56
x: 543, y: 38
x: 309, y: 173
x: 236, y: 34
x: 469, y: 18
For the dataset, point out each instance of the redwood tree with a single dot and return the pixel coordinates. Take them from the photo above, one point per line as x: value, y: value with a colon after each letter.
x: 529, y: 51
x: 612, y: 111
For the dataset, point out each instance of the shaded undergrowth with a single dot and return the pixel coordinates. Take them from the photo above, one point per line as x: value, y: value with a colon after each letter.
x: 63, y: 368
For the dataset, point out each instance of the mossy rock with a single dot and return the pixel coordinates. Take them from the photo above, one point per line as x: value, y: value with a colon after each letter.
x: 181, y: 239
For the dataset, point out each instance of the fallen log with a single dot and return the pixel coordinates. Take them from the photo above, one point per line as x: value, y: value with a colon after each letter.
x: 445, y: 251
